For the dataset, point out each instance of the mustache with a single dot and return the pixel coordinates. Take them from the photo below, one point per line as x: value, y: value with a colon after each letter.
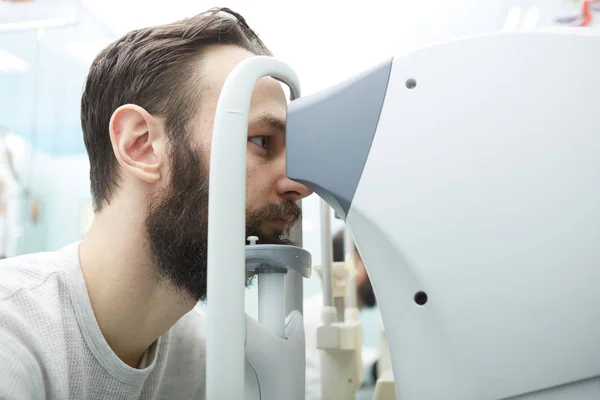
x: 285, y: 210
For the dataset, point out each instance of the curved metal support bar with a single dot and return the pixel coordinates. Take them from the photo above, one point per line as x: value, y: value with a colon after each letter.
x: 226, y: 329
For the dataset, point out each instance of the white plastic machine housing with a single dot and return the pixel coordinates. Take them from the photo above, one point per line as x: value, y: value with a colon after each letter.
x: 469, y: 172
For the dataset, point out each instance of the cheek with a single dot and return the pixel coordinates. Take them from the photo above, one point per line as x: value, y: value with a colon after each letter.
x: 261, y: 182
x: 255, y: 190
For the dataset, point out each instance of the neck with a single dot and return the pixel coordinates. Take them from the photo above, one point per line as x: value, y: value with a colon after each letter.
x: 132, y: 308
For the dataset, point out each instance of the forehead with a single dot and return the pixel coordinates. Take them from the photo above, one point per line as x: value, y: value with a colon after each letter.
x: 268, y: 98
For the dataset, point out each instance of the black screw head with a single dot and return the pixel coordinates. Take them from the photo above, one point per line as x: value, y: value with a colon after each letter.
x: 411, y: 83
x: 421, y: 298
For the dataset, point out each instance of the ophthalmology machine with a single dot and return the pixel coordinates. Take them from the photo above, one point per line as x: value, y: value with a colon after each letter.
x: 468, y: 175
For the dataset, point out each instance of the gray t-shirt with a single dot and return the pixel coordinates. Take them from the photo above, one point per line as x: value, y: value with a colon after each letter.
x: 51, y: 346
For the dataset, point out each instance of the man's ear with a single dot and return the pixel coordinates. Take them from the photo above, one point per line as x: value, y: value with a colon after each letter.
x: 138, y: 142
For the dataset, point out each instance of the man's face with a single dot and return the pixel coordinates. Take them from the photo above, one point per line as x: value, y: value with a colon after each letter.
x: 177, y: 218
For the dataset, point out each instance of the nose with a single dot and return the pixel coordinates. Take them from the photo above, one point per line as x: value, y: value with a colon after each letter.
x: 288, y: 189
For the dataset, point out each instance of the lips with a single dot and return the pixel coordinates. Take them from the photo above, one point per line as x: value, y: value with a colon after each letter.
x: 281, y: 224
x: 288, y: 218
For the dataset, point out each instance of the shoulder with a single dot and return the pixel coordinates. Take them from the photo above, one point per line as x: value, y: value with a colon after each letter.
x: 21, y: 375
x: 187, y: 341
x: 194, y: 320
x: 28, y: 285
x: 27, y: 273
x: 32, y: 289
x: 191, y: 328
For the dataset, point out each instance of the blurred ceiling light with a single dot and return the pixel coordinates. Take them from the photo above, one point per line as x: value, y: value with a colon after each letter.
x: 10, y: 63
x: 133, y: 14
x: 18, y: 15
x: 36, y: 24
x: 513, y: 17
x: 85, y: 50
x: 531, y: 18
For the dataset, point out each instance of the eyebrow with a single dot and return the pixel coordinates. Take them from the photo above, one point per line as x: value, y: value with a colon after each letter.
x: 265, y: 120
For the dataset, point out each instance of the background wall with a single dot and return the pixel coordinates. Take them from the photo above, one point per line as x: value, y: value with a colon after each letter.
x: 41, y: 79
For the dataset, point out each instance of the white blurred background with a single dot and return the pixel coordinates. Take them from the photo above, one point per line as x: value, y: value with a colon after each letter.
x: 46, y: 47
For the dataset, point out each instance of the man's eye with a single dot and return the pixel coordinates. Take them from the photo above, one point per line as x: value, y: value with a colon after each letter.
x: 262, y: 141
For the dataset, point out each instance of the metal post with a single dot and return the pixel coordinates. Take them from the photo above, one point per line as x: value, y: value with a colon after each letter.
x: 326, y: 253
x: 294, y: 285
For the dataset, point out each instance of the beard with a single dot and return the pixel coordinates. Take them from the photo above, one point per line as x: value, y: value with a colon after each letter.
x: 177, y: 226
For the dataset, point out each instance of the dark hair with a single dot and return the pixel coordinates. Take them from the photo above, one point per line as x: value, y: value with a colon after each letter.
x: 157, y: 69
x: 338, y: 246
